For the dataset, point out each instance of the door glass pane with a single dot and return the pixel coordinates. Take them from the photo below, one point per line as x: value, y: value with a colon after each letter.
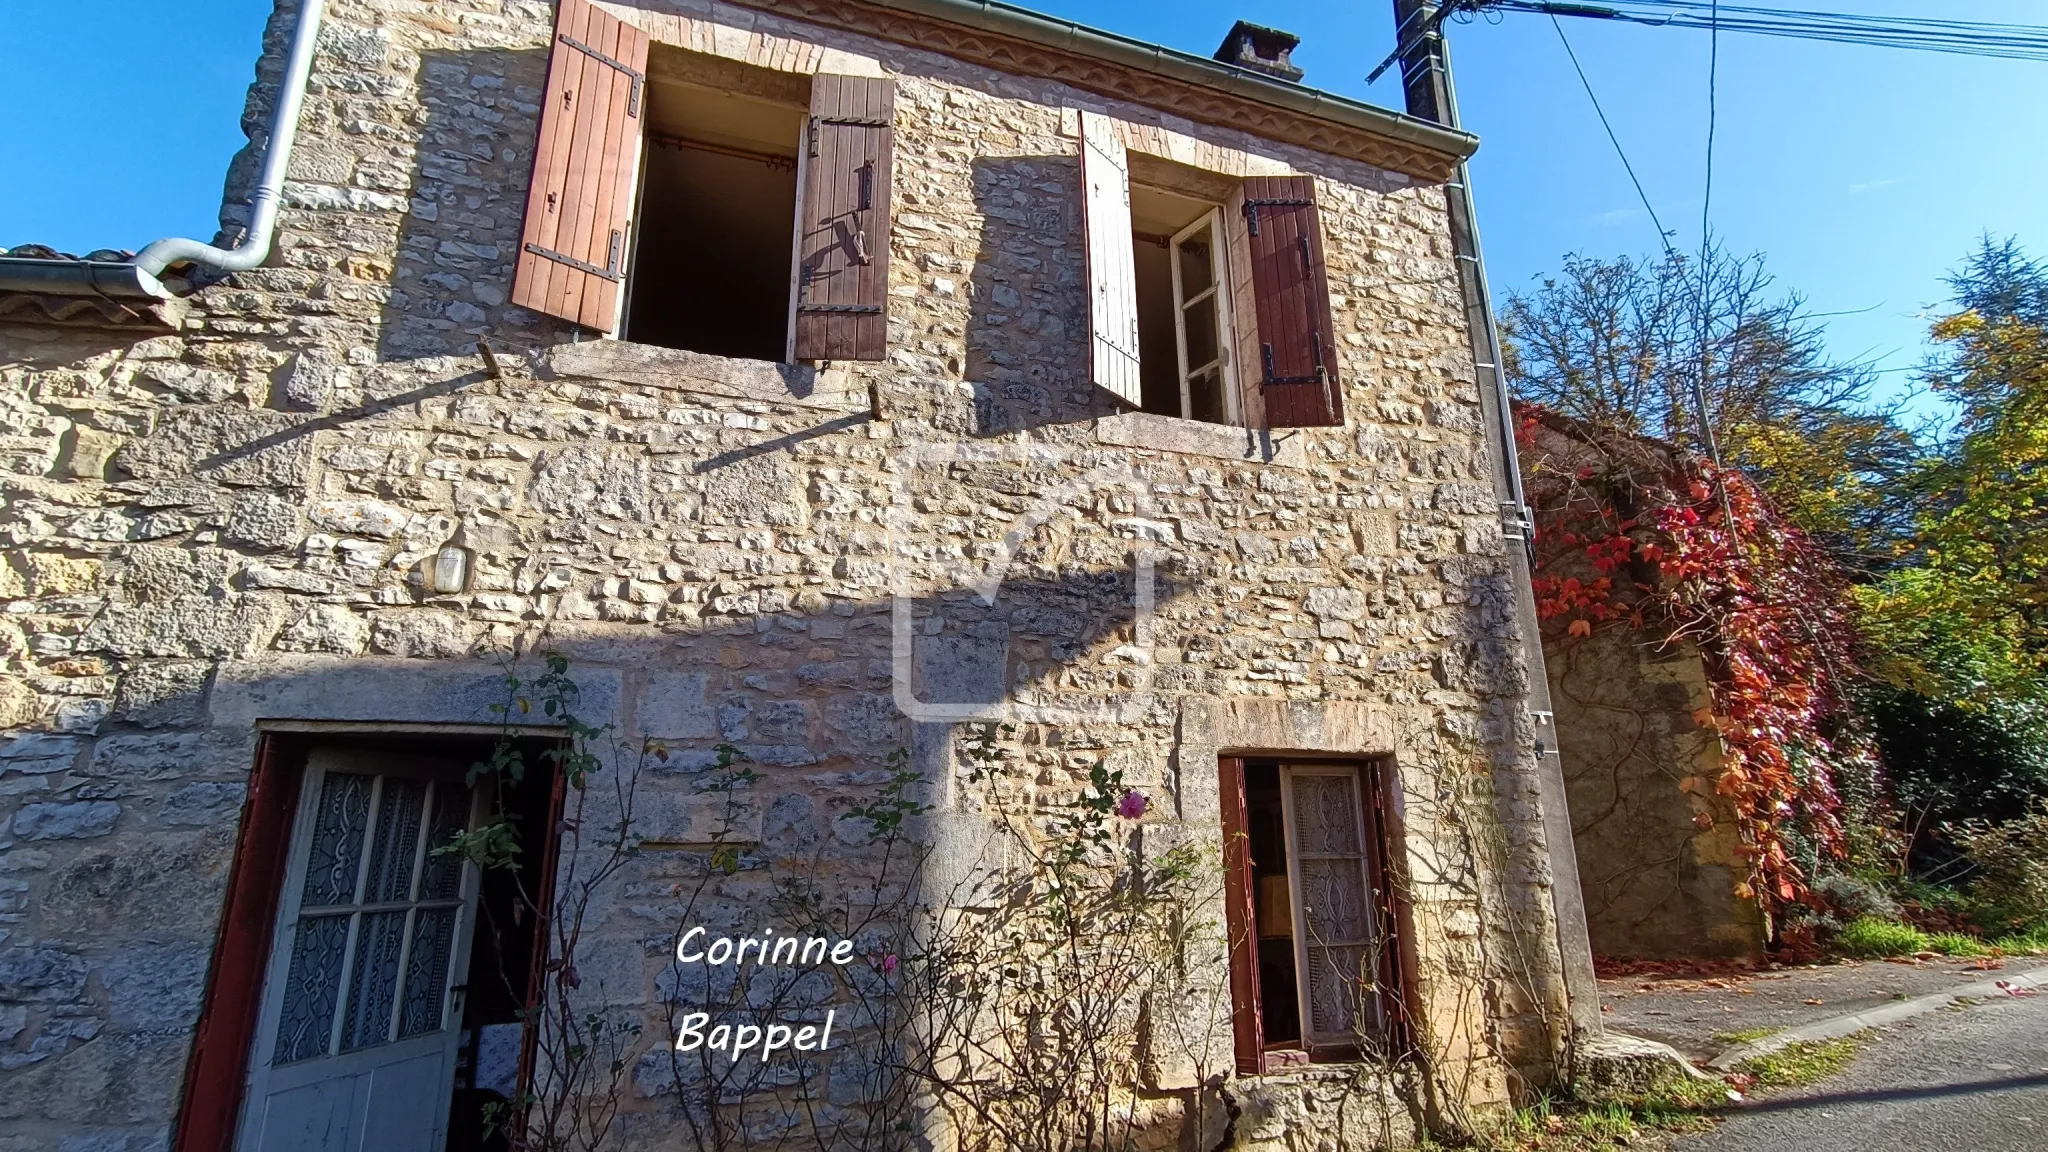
x: 443, y: 878
x: 374, y: 980
x: 1197, y: 265
x: 398, y: 837
x: 1334, y: 986
x: 337, y: 840
x: 1333, y: 901
x: 307, y: 1017
x: 426, y: 971
x: 1201, y: 330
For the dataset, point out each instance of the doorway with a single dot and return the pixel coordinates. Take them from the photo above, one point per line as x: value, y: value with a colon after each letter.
x: 369, y: 983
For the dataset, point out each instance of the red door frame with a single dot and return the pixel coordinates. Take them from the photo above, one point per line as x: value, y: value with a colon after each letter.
x: 234, y: 983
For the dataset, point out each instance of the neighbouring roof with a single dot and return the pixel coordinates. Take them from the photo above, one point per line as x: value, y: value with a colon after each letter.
x: 45, y: 252
x: 86, y: 311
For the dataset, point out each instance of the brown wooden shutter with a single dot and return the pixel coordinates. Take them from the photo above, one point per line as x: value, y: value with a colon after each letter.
x: 842, y: 275
x: 572, y: 252
x: 1287, y: 353
x: 1247, y: 1027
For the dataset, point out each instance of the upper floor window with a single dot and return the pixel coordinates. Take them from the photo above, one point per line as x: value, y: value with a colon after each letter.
x: 1203, y: 310
x: 692, y: 213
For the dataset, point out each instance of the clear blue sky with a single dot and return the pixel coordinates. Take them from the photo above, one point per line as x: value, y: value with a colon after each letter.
x: 1864, y: 174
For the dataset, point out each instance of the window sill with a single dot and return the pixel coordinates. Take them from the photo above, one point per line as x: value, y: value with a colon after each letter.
x: 1200, y: 438
x: 724, y: 376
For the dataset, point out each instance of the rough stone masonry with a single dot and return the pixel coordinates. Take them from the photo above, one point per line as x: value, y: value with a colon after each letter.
x: 216, y: 531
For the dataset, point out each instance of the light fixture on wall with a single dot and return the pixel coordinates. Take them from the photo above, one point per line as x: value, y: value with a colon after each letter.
x: 448, y: 574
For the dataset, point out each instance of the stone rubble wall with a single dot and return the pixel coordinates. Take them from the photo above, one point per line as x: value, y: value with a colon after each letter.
x: 226, y: 527
x: 1660, y: 849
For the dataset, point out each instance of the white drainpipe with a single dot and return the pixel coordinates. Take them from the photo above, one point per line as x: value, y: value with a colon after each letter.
x: 137, y: 278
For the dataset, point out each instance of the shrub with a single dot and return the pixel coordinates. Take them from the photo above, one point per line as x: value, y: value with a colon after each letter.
x: 1857, y: 898
x: 2010, y: 889
x: 1871, y: 938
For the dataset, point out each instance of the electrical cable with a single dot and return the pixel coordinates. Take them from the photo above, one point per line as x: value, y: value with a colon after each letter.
x: 1663, y: 237
x: 2005, y: 41
x: 1699, y: 383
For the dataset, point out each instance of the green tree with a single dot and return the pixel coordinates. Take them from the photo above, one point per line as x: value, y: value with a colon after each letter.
x: 1958, y: 635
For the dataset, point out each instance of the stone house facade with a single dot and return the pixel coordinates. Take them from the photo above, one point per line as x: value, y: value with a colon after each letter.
x: 1120, y: 399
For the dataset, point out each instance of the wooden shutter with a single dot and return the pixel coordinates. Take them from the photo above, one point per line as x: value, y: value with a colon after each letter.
x: 842, y: 275
x: 572, y: 252
x: 1287, y: 362
x: 1246, y: 1026
x: 1112, y: 267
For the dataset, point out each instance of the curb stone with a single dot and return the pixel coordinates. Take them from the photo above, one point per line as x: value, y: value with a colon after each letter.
x: 1837, y: 1027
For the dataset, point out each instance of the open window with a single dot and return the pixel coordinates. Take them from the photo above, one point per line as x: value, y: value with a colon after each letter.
x: 694, y: 202
x: 1316, y: 969
x: 1214, y: 306
x: 1186, y: 364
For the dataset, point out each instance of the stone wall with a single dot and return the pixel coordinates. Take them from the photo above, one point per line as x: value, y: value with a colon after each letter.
x: 221, y: 530
x: 1660, y: 852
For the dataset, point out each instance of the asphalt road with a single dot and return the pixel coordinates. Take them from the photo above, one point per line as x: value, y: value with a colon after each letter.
x: 1971, y: 1079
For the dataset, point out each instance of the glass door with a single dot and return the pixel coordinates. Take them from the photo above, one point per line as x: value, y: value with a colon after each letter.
x: 355, y: 1049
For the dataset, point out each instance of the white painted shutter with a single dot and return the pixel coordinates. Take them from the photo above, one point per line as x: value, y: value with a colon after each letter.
x: 1112, y: 269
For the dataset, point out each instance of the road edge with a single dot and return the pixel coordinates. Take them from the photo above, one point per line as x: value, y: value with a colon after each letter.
x: 1836, y: 1027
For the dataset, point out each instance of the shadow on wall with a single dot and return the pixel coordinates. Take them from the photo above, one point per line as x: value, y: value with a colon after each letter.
x: 803, y: 694
x: 459, y: 239
x: 1027, y: 342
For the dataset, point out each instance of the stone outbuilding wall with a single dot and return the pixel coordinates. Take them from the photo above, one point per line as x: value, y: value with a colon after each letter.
x: 1659, y: 849
x: 223, y: 531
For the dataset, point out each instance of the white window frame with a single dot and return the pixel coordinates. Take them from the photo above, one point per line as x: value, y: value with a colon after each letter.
x: 1362, y: 1007
x: 1218, y: 294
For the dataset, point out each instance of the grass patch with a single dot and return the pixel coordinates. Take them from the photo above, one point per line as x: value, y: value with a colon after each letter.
x: 1571, y: 1126
x: 1744, y: 1035
x: 1802, y: 1063
x: 2024, y: 944
x: 1872, y: 938
x: 1956, y: 944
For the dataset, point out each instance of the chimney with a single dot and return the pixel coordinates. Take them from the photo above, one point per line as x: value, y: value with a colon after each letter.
x: 1261, y: 50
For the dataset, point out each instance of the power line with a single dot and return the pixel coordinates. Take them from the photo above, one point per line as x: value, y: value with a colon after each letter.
x: 1662, y: 236
x: 2005, y: 41
x: 1699, y: 383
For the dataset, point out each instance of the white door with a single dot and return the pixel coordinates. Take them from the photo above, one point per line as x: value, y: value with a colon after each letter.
x: 1201, y: 320
x: 355, y: 1047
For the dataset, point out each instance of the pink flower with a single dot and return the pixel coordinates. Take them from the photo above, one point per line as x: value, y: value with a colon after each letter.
x: 889, y: 963
x: 1132, y: 805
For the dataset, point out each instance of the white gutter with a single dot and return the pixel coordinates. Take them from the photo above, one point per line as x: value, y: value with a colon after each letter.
x: 137, y: 278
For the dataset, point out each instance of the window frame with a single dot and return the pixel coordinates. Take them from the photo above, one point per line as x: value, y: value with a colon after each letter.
x: 1218, y: 294
x: 1378, y: 793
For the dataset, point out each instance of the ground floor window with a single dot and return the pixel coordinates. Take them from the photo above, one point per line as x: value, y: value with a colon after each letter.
x: 368, y: 991
x: 1313, y: 911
